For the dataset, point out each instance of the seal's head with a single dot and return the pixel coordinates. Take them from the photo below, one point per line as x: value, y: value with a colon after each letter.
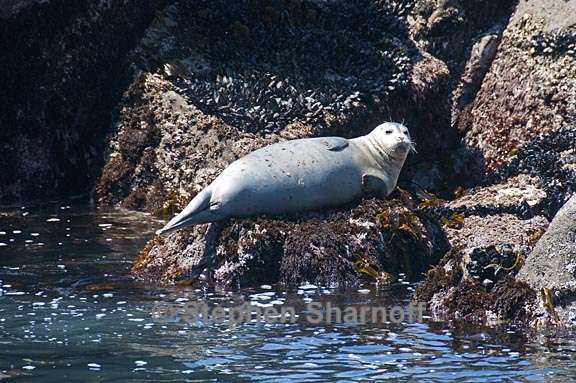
x: 393, y: 139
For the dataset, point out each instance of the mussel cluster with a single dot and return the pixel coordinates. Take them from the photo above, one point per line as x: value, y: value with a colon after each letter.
x: 551, y: 158
x: 555, y: 43
x: 489, y: 264
x: 271, y: 63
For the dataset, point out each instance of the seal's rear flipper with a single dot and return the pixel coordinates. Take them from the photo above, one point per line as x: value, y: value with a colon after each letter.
x: 192, y: 214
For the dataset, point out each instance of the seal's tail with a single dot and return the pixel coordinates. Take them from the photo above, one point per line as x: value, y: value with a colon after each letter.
x: 191, y: 214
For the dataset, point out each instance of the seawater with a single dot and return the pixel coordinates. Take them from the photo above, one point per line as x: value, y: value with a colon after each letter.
x: 70, y: 311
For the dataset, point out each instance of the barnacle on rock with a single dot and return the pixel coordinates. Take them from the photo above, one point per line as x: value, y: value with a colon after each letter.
x: 451, y: 295
x: 545, y: 160
x: 444, y: 27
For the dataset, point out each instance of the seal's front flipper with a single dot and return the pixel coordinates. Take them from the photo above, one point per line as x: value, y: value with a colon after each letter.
x: 374, y: 185
x: 335, y: 144
x: 191, y: 214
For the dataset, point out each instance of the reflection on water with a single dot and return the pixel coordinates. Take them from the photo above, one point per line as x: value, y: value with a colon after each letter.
x: 68, y: 309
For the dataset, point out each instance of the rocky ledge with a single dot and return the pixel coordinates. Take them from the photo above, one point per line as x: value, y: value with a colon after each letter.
x: 518, y: 151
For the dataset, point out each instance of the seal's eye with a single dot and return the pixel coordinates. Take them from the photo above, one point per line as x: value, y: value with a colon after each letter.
x: 405, y: 132
x: 388, y: 132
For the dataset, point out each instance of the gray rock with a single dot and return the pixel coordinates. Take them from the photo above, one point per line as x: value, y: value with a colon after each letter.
x: 552, y: 263
x: 478, y: 64
x: 551, y: 270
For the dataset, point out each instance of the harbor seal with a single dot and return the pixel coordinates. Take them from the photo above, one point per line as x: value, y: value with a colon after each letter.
x: 300, y: 175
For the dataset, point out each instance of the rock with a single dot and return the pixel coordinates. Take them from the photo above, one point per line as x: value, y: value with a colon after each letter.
x: 345, y: 247
x: 518, y: 164
x: 490, y: 248
x: 477, y: 232
x: 203, y: 99
x: 528, y: 91
x: 165, y: 149
x: 552, y: 265
x: 491, y: 230
x: 449, y: 28
x: 478, y: 64
x: 510, y: 195
x: 233, y: 100
x: 62, y: 75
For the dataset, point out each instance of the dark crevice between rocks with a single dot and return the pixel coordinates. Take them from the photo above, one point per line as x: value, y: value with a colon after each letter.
x: 448, y: 27
x: 465, y: 35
